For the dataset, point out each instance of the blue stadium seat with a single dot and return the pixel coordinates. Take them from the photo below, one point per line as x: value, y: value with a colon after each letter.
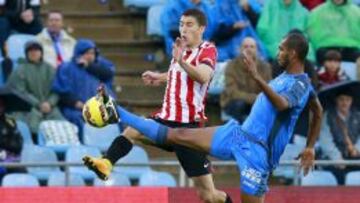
x: 75, y: 155
x: 291, y: 152
x: 20, y: 180
x: 60, y: 135
x: 136, y: 155
x: 58, y: 179
x: 350, y: 69
x: 319, y: 178
x: 16, y: 45
x: 142, y: 3
x: 353, y: 178
x: 154, y: 178
x: 217, y: 83
x: 25, y: 132
x: 153, y: 20
x: 34, y: 153
x: 100, y: 137
x: 115, y: 179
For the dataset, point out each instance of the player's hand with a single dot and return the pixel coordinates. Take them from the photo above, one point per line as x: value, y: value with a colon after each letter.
x: 151, y: 78
x: 178, y: 48
x: 250, y: 65
x: 307, y: 158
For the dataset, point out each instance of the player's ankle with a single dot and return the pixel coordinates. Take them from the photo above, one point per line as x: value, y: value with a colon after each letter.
x: 108, y: 163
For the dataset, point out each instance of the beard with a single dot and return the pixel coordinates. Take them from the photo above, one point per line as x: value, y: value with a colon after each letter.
x: 284, y: 63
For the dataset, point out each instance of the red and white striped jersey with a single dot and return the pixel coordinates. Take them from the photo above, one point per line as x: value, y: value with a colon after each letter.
x: 184, y: 99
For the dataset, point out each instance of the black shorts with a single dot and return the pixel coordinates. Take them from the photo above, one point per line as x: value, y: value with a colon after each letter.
x: 193, y: 162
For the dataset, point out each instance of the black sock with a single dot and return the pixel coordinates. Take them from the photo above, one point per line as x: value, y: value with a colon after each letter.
x: 228, y: 199
x: 120, y: 147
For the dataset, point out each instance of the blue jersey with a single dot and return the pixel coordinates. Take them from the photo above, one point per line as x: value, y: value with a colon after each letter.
x: 271, y: 126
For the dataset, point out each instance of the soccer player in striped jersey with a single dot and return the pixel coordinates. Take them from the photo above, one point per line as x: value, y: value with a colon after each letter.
x: 188, y: 77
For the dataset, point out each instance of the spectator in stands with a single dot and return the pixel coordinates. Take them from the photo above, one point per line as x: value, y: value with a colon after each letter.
x: 335, y: 25
x: 58, y: 45
x: 311, y: 4
x: 4, y: 27
x: 331, y: 72
x: 339, y: 133
x: 23, y: 16
x: 240, y: 90
x: 277, y: 19
x: 252, y: 9
x: 34, y: 78
x: 77, y: 80
x: 232, y: 26
x: 10, y: 140
x: 172, y: 13
x: 6, y: 66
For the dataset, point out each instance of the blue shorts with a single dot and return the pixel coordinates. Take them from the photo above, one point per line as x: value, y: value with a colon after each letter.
x: 230, y: 143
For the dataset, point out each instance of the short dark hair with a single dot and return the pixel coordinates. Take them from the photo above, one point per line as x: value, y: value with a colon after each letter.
x: 332, y: 55
x: 198, y: 15
x: 299, y: 43
x: 54, y: 11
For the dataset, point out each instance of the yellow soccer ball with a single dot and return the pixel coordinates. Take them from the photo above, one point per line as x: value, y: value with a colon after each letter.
x: 94, y: 112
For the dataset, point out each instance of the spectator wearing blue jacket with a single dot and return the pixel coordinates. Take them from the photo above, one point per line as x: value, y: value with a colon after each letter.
x: 232, y: 26
x: 77, y: 80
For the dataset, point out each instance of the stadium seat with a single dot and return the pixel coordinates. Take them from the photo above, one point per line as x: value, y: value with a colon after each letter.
x: 217, y: 83
x: 153, y: 21
x: 16, y: 45
x: 58, y: 179
x: 115, y: 179
x: 319, y: 178
x: 37, y: 154
x: 136, y: 155
x: 154, y: 178
x: 25, y: 132
x: 353, y: 178
x: 75, y: 154
x: 142, y: 3
x: 100, y: 137
x: 58, y: 135
x: 350, y: 69
x: 291, y: 152
x: 19, y: 180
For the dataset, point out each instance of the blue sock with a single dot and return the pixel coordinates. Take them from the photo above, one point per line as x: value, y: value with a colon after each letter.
x: 148, y: 127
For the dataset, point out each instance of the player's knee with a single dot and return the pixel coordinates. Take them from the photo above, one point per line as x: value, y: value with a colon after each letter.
x: 179, y: 136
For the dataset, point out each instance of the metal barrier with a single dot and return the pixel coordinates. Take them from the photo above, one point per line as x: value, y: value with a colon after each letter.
x: 182, y: 176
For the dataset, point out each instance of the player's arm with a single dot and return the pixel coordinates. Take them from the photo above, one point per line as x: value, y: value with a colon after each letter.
x: 201, y: 74
x: 307, y: 157
x: 154, y: 78
x: 280, y: 102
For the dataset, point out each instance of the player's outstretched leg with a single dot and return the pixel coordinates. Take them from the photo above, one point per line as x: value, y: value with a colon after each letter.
x: 119, y: 148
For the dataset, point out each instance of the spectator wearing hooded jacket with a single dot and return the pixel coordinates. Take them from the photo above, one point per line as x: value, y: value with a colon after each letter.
x: 34, y: 78
x: 77, y: 80
x: 335, y: 24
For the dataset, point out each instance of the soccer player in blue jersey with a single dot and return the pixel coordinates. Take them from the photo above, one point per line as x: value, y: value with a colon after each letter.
x: 257, y: 144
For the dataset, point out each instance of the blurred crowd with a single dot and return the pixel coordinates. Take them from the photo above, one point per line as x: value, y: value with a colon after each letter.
x: 58, y: 73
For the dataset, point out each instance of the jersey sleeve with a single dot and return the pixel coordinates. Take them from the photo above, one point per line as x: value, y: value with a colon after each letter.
x: 295, y: 93
x: 208, y: 56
